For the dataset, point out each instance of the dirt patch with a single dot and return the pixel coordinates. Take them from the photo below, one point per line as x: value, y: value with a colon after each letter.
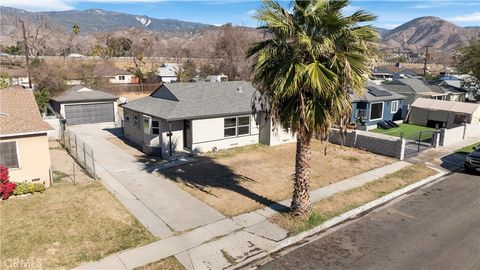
x: 347, y: 200
x: 64, y: 167
x: 170, y: 263
x: 242, y: 181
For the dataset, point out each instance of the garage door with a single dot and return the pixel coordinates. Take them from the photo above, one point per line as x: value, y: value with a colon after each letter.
x: 89, y: 113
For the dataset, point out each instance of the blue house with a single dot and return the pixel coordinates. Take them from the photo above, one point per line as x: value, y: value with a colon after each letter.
x: 375, y: 105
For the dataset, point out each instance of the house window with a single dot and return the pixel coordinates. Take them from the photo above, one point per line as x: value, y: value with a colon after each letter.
x: 243, y: 125
x: 135, y: 120
x: 8, y: 154
x: 376, y: 111
x: 236, y: 126
x: 127, y: 118
x: 121, y: 77
x: 230, y: 127
x: 394, y: 108
x: 155, y: 127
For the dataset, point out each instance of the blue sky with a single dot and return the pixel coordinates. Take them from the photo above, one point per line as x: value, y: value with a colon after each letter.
x: 390, y: 13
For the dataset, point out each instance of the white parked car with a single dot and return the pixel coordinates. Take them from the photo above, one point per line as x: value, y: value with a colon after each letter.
x: 75, y: 55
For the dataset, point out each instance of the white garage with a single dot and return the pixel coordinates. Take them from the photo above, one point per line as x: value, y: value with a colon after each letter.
x: 82, y: 105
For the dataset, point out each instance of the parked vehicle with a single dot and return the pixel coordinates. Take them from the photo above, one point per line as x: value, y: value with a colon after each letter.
x: 472, y: 161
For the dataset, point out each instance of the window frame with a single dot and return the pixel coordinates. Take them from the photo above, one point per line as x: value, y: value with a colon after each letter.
x: 127, y: 118
x: 121, y: 77
x: 370, y: 113
x: 397, y: 103
x: 17, y: 152
x: 135, y: 120
x: 147, y: 129
x: 237, y: 126
x: 152, y: 128
x: 230, y: 127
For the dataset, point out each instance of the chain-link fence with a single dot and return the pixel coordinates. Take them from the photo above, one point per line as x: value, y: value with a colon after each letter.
x: 80, y: 151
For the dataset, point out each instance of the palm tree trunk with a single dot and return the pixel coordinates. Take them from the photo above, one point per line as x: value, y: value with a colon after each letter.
x: 301, y: 182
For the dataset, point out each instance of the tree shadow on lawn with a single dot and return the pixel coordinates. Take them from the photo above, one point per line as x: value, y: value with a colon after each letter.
x: 206, y: 173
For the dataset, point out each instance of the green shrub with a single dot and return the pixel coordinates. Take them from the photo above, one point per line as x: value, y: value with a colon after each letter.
x: 28, y: 187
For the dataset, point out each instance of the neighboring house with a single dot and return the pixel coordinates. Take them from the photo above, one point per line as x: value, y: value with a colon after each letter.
x: 168, y: 72
x: 82, y: 105
x: 216, y: 78
x: 413, y: 89
x: 397, y: 71
x: 380, y: 77
x: 443, y: 114
x: 197, y: 117
x: 23, y: 137
x: 375, y: 105
x: 114, y: 75
x: 18, y: 76
x: 453, y: 93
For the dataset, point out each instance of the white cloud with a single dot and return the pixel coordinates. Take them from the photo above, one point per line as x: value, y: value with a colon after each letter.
x: 350, y: 9
x: 251, y: 12
x: 43, y: 5
x: 473, y: 17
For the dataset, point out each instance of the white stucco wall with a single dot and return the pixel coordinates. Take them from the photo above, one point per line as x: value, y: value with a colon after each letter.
x: 209, y: 133
x: 273, y: 136
x: 116, y: 79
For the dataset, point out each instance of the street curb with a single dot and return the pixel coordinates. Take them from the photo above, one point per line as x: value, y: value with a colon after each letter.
x: 342, y: 218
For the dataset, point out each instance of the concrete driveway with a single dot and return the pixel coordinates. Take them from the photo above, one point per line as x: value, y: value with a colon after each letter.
x: 155, y: 201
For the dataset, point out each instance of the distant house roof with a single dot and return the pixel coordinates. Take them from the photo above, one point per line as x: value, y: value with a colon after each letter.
x: 451, y: 106
x: 168, y: 70
x: 407, y: 86
x: 79, y: 93
x: 392, y: 69
x: 19, y: 113
x: 376, y: 93
x: 109, y: 70
x: 178, y: 101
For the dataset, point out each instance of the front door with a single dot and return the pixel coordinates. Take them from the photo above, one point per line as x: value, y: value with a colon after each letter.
x: 187, y: 134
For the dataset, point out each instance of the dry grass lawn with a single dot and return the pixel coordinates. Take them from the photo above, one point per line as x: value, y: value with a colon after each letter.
x: 347, y: 200
x: 244, y: 179
x: 67, y: 225
x: 170, y: 263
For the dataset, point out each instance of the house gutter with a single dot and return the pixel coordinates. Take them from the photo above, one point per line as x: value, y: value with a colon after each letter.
x: 24, y: 133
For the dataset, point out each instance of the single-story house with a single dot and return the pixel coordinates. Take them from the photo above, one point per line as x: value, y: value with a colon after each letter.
x: 216, y: 78
x: 17, y: 76
x: 82, y: 105
x: 198, y: 117
x: 375, y: 105
x: 23, y: 137
x: 413, y: 89
x: 114, y: 75
x: 168, y: 72
x: 443, y: 114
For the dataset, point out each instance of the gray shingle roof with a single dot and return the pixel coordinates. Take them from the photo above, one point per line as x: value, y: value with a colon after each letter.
x: 367, y: 96
x: 416, y: 85
x: 178, y: 101
x: 83, y: 93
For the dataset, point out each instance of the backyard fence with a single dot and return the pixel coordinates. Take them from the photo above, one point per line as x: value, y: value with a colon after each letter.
x: 80, y: 151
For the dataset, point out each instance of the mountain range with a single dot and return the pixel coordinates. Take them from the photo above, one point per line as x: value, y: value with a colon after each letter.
x: 414, y: 35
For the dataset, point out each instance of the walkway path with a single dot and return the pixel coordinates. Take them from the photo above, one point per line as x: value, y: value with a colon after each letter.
x: 156, y: 202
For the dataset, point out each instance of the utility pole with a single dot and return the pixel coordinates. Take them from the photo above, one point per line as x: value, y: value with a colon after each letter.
x: 27, y: 53
x: 426, y: 59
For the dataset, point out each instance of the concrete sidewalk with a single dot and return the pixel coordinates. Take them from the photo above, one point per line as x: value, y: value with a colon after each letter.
x: 231, y: 240
x: 156, y: 202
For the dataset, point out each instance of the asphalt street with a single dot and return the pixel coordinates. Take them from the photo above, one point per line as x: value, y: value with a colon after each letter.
x: 436, y: 227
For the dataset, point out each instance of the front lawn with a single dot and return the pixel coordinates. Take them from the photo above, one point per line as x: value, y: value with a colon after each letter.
x: 467, y: 149
x: 67, y: 225
x: 241, y: 180
x: 408, y: 130
x: 347, y: 200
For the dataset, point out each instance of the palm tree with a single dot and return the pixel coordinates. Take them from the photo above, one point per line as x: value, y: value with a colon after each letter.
x: 304, y: 69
